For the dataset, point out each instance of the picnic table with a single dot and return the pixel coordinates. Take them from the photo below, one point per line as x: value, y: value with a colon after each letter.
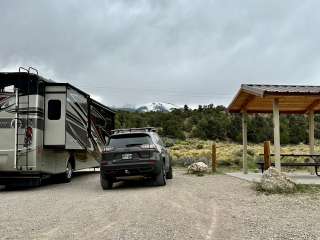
x: 315, y: 164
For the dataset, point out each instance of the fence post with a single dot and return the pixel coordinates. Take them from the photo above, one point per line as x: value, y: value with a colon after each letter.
x: 214, y: 157
x: 267, y: 160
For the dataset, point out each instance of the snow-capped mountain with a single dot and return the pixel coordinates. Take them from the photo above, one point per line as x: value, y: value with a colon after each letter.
x: 157, y: 107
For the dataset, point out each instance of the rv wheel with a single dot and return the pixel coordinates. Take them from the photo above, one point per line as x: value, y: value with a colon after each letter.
x: 106, y: 183
x: 67, y: 175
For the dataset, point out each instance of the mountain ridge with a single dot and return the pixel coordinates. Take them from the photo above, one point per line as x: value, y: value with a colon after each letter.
x: 150, y: 107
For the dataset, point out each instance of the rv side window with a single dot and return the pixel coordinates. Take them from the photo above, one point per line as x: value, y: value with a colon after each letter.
x: 54, y: 109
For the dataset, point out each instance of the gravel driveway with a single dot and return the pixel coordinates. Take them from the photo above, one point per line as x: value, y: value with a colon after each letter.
x: 189, y: 207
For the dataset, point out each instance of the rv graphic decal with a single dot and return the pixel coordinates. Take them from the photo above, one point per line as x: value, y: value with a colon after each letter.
x: 5, y: 102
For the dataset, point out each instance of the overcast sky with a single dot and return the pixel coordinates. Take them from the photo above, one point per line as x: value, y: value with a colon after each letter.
x: 177, y: 51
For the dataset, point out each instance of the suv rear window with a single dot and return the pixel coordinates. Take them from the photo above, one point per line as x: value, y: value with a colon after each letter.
x: 129, y: 140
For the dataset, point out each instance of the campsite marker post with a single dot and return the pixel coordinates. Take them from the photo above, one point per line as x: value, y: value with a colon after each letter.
x: 266, y: 155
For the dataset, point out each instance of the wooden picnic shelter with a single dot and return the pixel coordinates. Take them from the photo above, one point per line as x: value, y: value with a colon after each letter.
x: 276, y: 99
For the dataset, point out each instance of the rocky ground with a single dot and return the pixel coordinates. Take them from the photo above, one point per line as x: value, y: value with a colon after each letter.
x: 189, y: 207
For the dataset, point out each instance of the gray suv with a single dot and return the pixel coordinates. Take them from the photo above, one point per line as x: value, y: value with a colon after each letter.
x: 135, y: 152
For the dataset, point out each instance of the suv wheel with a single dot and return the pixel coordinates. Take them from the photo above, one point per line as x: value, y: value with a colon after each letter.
x: 169, y: 174
x: 106, y: 183
x: 160, y: 179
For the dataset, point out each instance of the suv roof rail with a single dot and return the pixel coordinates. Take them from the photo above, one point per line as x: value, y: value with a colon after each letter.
x: 129, y: 130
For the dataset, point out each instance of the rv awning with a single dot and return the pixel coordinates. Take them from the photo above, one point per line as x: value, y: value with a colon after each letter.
x: 254, y: 98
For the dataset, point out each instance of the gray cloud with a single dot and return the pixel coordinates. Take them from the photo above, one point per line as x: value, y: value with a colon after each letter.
x: 180, y: 51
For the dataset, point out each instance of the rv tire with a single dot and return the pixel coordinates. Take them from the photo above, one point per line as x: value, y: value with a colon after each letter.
x: 106, y: 183
x: 67, y: 175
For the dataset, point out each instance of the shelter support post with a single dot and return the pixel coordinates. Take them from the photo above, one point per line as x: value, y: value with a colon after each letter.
x: 276, y: 133
x: 311, y: 132
x: 244, y: 140
x: 311, y: 136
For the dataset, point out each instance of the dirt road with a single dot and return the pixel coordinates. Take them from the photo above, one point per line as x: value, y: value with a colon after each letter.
x: 189, y: 207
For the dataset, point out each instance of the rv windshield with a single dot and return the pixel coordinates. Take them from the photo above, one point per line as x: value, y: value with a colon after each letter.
x: 9, y: 89
x: 129, y: 140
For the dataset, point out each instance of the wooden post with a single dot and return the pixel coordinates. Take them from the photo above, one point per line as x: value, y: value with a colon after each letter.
x: 311, y: 132
x: 214, y: 157
x: 276, y: 133
x: 245, y: 143
x: 311, y: 137
x: 267, y: 159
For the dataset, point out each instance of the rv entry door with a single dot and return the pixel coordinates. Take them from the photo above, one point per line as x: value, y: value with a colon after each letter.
x: 55, y: 117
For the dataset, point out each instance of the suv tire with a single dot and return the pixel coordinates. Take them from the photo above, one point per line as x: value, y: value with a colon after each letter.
x: 160, y: 179
x: 169, y: 174
x: 106, y: 183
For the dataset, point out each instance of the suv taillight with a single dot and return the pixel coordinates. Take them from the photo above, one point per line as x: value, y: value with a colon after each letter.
x: 148, y: 146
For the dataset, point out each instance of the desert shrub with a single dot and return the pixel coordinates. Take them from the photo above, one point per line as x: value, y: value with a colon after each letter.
x: 169, y: 142
x: 224, y: 163
x: 299, y: 188
x: 199, y: 146
x: 258, y: 187
x: 250, y: 152
x: 177, y: 162
x: 238, y: 157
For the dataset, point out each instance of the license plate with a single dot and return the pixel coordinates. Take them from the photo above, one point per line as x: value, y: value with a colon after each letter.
x: 126, y: 156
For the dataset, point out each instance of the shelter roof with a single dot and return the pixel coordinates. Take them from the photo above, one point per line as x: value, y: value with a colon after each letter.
x: 256, y: 98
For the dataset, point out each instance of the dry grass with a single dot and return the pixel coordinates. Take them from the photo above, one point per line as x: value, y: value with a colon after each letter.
x: 228, y: 154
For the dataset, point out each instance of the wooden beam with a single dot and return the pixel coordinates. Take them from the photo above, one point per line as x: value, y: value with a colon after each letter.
x: 253, y: 111
x: 276, y: 133
x: 246, y: 102
x: 245, y: 142
x: 312, y: 106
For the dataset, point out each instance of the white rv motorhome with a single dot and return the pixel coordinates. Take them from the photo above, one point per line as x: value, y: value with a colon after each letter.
x: 48, y: 128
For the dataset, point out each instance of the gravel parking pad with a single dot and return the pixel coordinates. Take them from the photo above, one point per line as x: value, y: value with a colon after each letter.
x: 189, y: 207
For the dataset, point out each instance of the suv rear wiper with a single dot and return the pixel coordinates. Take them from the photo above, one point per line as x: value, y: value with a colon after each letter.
x: 133, y: 144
